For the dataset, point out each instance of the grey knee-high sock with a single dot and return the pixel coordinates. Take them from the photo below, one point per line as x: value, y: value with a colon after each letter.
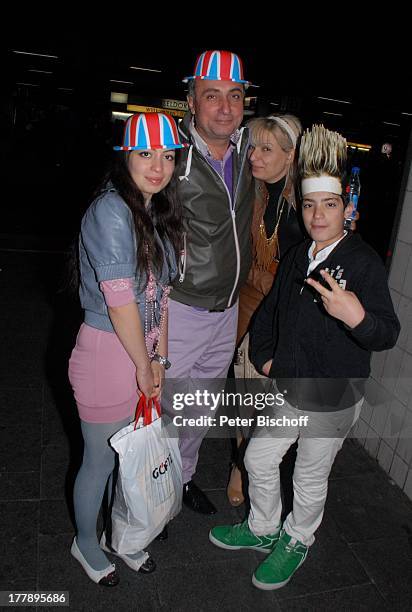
x: 97, y: 466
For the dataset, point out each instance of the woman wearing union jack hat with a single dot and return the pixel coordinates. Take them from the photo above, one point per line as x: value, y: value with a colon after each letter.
x: 128, y: 244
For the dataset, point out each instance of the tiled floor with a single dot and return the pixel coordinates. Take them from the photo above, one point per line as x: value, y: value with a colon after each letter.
x: 362, y: 557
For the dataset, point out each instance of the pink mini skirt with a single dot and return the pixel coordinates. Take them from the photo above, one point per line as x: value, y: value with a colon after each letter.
x: 103, y: 377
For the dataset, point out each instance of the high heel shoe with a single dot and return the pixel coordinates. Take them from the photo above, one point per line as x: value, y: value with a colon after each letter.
x: 234, y: 488
x: 145, y: 565
x: 106, y: 577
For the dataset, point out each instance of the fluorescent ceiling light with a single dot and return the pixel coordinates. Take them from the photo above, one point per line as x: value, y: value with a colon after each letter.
x: 65, y: 89
x: 120, y: 115
x: 125, y: 82
x: 334, y: 100
x: 407, y: 114
x: 359, y: 145
x: 36, y: 54
x: 28, y: 84
x: 147, y: 69
x: 328, y: 113
x: 42, y: 71
x: 389, y: 123
x: 274, y: 103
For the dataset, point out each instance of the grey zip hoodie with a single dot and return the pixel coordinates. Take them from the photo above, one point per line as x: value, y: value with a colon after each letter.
x: 216, y: 254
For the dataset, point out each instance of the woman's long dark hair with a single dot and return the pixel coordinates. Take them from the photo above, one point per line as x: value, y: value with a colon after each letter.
x: 167, y: 217
x: 167, y: 213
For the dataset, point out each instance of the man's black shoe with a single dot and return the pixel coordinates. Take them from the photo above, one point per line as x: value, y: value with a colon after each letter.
x: 196, y: 500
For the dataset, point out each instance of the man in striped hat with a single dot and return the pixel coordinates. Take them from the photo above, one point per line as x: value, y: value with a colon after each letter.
x: 216, y: 191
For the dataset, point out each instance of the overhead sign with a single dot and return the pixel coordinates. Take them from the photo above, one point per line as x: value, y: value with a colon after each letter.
x: 137, y: 108
x: 175, y: 104
x: 120, y: 98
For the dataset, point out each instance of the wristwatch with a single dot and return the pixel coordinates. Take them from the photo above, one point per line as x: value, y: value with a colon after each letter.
x: 162, y: 360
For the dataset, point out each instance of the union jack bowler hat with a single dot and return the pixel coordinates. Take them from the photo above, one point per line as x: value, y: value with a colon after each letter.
x: 150, y: 131
x: 218, y: 66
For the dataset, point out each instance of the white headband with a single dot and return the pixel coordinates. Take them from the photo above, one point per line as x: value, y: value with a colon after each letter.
x: 283, y: 124
x: 321, y: 183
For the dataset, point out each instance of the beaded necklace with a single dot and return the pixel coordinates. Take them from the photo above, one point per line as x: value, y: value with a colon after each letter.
x: 153, y: 332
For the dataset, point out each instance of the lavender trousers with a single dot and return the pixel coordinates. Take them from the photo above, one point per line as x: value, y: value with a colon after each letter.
x: 201, y: 346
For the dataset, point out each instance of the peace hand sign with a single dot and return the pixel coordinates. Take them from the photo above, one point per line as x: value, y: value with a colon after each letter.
x: 341, y: 304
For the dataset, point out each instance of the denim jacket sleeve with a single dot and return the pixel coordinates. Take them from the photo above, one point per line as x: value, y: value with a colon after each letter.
x: 108, y: 237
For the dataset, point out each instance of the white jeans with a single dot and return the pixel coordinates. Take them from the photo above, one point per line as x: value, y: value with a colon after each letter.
x: 318, y: 445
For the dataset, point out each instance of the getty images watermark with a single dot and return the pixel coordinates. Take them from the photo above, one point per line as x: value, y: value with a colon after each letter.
x: 223, y: 399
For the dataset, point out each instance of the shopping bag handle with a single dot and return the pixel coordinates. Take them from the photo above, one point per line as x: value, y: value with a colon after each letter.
x: 145, y: 408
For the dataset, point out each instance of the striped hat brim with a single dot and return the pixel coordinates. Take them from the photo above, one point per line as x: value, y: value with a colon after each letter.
x: 153, y: 146
x: 213, y: 78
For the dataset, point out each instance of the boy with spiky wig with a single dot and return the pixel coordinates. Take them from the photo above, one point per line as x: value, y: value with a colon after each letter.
x: 329, y: 308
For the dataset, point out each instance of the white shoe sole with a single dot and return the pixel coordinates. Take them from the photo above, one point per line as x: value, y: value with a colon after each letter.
x: 220, y: 544
x: 265, y: 586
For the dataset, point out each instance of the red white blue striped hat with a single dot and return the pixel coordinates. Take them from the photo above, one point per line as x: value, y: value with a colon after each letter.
x: 218, y: 66
x: 150, y: 131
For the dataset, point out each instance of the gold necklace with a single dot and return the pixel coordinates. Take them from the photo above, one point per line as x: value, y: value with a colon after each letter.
x: 267, y: 249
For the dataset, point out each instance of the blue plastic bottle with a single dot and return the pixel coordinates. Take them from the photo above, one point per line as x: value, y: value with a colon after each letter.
x: 352, y: 193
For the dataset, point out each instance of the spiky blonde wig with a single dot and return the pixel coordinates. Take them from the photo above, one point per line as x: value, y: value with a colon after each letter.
x: 322, y: 153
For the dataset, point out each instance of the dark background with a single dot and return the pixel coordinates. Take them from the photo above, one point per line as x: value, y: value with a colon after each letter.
x: 56, y: 142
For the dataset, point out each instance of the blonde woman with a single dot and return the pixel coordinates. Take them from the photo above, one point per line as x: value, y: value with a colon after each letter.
x: 275, y: 229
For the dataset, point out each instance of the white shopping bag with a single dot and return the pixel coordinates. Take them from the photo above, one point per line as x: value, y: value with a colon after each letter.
x: 149, y: 486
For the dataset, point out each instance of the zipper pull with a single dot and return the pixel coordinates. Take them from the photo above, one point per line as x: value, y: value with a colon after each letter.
x: 182, y: 260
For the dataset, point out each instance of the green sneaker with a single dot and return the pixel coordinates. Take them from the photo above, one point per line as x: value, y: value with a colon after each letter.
x: 234, y: 537
x: 276, y: 571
